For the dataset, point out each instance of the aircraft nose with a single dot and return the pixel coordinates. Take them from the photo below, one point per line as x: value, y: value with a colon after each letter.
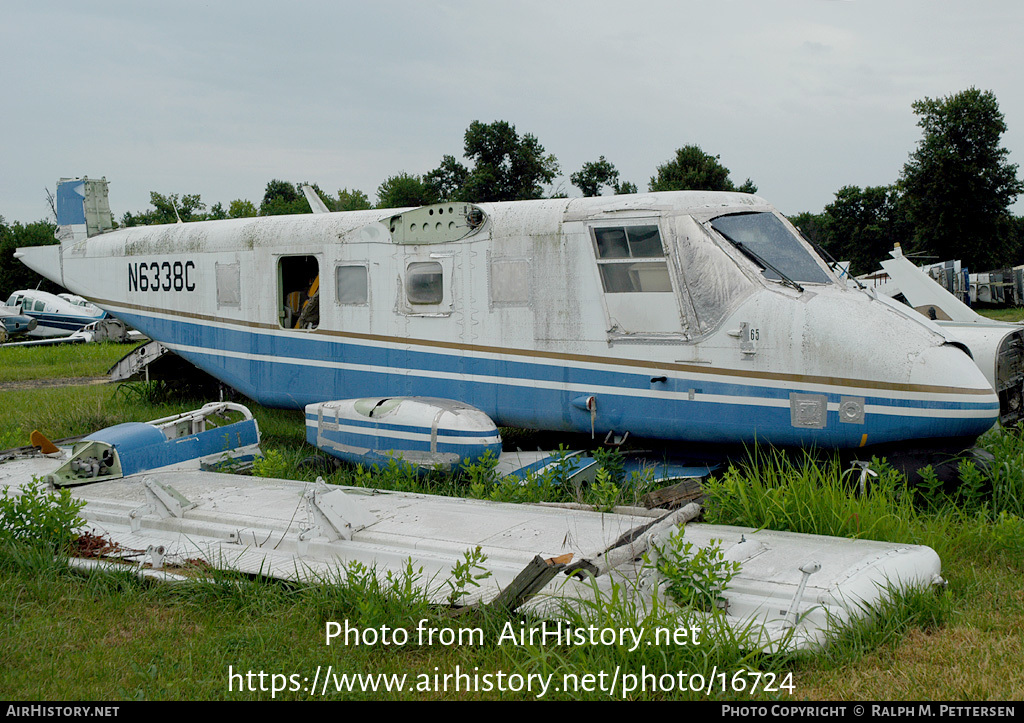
x: 958, y: 392
x: 948, y: 365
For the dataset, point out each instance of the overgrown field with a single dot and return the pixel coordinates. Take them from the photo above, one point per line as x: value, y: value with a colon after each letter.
x: 58, y: 362
x: 67, y: 635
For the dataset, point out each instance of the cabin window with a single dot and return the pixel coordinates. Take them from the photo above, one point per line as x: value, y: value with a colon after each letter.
x: 229, y: 286
x: 298, y: 284
x: 424, y: 283
x: 631, y: 259
x: 351, y: 285
x: 509, y: 282
x: 39, y: 306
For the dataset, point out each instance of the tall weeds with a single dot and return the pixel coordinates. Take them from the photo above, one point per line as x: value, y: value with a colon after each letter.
x: 812, y: 496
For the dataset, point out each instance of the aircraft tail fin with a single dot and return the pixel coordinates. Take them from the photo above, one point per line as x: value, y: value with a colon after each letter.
x: 82, y: 209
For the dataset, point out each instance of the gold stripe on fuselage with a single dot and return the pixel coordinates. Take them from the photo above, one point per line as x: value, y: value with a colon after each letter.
x: 562, y: 356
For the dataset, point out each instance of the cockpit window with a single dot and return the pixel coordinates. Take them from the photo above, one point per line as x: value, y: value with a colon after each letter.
x: 769, y: 243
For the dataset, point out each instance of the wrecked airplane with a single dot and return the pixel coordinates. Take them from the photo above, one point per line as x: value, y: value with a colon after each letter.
x: 690, y: 317
x: 996, y: 346
x: 153, y: 512
x: 55, y: 315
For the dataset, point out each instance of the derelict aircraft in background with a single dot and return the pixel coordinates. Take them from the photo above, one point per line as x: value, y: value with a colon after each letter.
x: 62, y: 319
x: 682, y: 317
x: 997, y: 346
x: 14, y: 323
x: 55, y: 314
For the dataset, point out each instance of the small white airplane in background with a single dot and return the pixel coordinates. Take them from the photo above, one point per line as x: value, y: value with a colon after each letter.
x: 55, y: 315
x: 63, y: 319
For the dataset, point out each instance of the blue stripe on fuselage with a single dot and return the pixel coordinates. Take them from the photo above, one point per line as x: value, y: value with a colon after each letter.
x: 327, y: 350
x: 282, y: 382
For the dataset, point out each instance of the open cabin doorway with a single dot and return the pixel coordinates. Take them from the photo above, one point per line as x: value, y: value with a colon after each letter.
x: 298, y: 286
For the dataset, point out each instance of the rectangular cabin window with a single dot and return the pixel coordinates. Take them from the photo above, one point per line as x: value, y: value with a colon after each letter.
x: 509, y: 282
x: 229, y: 286
x: 631, y: 259
x: 424, y: 283
x: 351, y: 285
x: 298, y: 288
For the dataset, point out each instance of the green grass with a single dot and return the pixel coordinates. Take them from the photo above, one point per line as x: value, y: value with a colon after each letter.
x: 121, y: 638
x: 61, y: 361
x: 67, y: 635
x: 60, y: 412
x: 1009, y: 313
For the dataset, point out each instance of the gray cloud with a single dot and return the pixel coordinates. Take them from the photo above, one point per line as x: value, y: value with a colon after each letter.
x: 218, y: 98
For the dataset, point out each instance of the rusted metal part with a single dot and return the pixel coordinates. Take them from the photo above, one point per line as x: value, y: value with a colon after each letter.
x: 89, y: 544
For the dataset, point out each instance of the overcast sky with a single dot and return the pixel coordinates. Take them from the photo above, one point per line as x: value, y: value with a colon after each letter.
x: 217, y: 98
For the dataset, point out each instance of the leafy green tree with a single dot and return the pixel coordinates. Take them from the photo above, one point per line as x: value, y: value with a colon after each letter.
x: 171, y: 207
x: 168, y: 209
x: 694, y: 170
x: 282, y: 198
x: 405, y: 190
x: 242, y: 208
x: 15, y: 275
x: 811, y: 225
x: 447, y: 180
x: 958, y: 185
x: 594, y: 175
x: 861, y: 226
x: 506, y: 166
x: 354, y: 200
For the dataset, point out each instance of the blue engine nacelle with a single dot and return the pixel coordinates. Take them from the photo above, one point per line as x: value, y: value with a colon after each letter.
x: 18, y: 324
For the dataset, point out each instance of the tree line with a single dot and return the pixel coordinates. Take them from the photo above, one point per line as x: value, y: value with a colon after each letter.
x: 501, y: 165
x: 951, y: 201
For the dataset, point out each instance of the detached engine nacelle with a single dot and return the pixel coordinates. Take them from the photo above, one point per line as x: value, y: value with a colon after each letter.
x: 422, y: 431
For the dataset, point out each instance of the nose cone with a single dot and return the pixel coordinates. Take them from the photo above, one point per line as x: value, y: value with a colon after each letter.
x: 961, y: 401
x: 915, y: 384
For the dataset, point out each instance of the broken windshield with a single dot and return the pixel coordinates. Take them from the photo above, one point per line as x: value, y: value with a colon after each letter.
x: 773, y: 246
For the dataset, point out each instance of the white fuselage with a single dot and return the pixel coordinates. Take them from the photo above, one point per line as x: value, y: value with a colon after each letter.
x: 628, y: 314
